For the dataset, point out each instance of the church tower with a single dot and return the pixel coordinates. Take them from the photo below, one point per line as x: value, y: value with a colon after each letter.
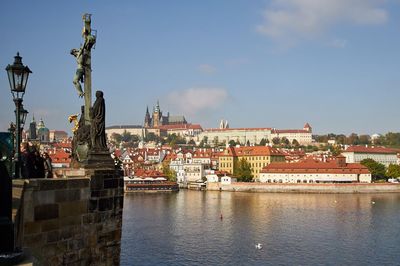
x: 147, y: 118
x: 32, y: 129
x: 157, y: 115
x: 307, y: 127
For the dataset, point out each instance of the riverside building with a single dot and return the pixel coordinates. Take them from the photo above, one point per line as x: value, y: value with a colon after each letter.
x: 312, y: 171
x: 257, y: 156
x: 355, y: 154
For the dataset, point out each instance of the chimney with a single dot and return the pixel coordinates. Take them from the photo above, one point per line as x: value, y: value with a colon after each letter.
x: 341, y: 161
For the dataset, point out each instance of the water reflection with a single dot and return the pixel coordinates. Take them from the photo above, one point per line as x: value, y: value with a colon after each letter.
x: 186, y: 228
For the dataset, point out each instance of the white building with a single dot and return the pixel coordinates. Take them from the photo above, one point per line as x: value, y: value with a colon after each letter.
x: 193, y: 171
x: 227, y: 180
x: 311, y: 171
x: 355, y: 154
x: 177, y: 166
x: 242, y: 135
x: 255, y: 135
x: 303, y: 136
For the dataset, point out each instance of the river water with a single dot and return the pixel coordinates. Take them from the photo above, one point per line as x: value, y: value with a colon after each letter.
x: 186, y: 228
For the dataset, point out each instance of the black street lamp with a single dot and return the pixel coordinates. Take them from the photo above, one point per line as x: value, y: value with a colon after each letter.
x: 18, y: 77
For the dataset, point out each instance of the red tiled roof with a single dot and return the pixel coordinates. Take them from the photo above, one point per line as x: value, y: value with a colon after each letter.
x: 312, y: 166
x: 62, y: 145
x: 241, y: 129
x: 59, y: 156
x: 363, y: 149
x: 283, y: 131
x: 180, y: 126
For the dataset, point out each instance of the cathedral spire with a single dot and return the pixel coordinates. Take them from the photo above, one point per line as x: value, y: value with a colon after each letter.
x: 147, y: 118
x: 157, y: 109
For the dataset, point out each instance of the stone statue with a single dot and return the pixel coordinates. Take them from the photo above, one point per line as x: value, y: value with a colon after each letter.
x: 98, y: 128
x: 81, y: 141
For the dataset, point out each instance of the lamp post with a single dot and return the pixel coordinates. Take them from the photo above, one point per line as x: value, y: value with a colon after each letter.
x: 18, y: 77
x: 22, y: 117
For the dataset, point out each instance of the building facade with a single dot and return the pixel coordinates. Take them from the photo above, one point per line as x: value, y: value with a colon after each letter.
x: 257, y: 156
x: 355, y: 154
x: 312, y: 171
x: 253, y: 136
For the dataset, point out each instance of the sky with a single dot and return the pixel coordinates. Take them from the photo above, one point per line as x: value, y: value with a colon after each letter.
x: 280, y: 63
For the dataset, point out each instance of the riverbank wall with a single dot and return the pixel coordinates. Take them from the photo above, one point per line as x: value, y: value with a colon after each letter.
x: 307, y: 188
x: 76, y: 220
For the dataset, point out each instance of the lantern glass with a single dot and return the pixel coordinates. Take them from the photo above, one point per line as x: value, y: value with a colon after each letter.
x: 23, y: 115
x: 18, y: 76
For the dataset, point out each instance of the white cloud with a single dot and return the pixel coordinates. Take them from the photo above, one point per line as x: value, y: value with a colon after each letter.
x: 338, y: 43
x: 291, y: 20
x: 206, y: 68
x: 197, y: 100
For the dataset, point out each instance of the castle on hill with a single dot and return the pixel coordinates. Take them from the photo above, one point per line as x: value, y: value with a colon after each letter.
x: 157, y: 119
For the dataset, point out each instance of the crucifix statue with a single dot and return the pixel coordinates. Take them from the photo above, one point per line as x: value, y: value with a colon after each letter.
x: 84, y: 69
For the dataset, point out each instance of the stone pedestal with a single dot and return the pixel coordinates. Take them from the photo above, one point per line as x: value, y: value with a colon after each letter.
x: 99, y: 159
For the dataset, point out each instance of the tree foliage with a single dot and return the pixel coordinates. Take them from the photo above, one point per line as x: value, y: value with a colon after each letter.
x: 276, y: 141
x: 168, y: 172
x: 393, y: 171
x: 116, y: 138
x: 232, y: 143
x: 152, y: 137
x: 263, y: 142
x: 173, y: 140
x: 242, y: 171
x: 191, y: 142
x: 378, y: 170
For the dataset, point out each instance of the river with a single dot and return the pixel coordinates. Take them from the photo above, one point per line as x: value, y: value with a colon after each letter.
x: 222, y: 228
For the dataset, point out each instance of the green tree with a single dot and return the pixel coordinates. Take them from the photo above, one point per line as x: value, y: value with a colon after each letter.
x: 215, y: 141
x: 335, y: 150
x: 393, y: 171
x: 174, y: 139
x: 263, y: 142
x: 276, y: 141
x: 392, y: 139
x: 353, y: 139
x: 242, y: 171
x: 191, y: 142
x: 377, y: 170
x: 295, y: 143
x: 151, y: 137
x: 365, y: 139
x: 168, y: 172
x: 232, y: 143
x: 126, y: 136
x: 117, y: 138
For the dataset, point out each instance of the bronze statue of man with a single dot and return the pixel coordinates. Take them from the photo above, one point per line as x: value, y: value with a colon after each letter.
x: 80, y: 71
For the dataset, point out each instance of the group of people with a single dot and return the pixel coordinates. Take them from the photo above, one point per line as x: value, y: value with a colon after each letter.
x: 35, y: 165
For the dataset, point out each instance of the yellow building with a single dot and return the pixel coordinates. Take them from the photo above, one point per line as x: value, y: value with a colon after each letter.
x: 257, y: 156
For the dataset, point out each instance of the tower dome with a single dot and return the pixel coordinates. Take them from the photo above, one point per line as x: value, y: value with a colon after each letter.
x: 43, y: 133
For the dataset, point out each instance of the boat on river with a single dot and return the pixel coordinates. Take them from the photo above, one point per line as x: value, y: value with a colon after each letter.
x: 149, y: 184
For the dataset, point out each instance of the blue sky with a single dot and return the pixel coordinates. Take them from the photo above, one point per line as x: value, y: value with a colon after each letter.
x: 332, y: 63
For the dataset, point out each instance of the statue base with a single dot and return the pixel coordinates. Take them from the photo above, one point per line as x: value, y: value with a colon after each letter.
x: 98, y: 159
